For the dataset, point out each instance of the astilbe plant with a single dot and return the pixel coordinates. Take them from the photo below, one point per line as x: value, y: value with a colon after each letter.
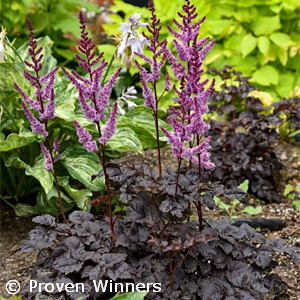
x: 44, y: 105
x: 154, y: 240
x: 94, y: 98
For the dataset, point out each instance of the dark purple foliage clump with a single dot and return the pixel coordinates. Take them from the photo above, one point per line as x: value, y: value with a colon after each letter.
x: 156, y: 243
x: 244, y: 146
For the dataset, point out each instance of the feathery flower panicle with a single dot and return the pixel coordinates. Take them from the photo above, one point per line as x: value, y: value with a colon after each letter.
x: 110, y: 128
x: 93, y: 97
x: 44, y: 88
x: 48, y: 161
x: 85, y: 138
x: 192, y: 95
x: 36, y: 125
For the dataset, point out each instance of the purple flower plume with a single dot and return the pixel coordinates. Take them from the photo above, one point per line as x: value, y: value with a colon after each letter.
x: 44, y: 102
x: 93, y: 96
x: 110, y: 128
x: 48, y: 161
x: 85, y: 138
x: 192, y: 96
x: 157, y: 61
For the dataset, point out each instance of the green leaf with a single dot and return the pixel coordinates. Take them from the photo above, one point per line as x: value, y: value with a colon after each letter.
x: 142, y: 124
x: 82, y: 165
x: 249, y: 43
x: 282, y: 54
x: 108, y: 51
x: 244, y: 186
x: 130, y: 296
x: 288, y: 188
x: 16, y: 162
x: 40, y: 173
x: 265, y: 25
x: 49, y: 203
x: 14, y: 141
x: 252, y: 210
x: 125, y: 140
x: 265, y: 76
x: 9, y: 74
x: 81, y: 197
x: 296, y: 203
x: 221, y: 204
x: 263, y: 44
x: 281, y: 40
x: 24, y: 210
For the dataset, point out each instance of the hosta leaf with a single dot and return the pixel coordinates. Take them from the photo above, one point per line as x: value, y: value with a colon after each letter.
x: 15, y: 141
x: 9, y: 74
x: 82, y: 165
x: 40, y: 173
x: 80, y: 197
x: 16, y: 162
x: 23, y: 210
x: 125, y: 140
x: 49, y: 203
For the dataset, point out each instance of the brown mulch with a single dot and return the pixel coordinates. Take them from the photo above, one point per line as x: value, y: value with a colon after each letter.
x: 17, y: 265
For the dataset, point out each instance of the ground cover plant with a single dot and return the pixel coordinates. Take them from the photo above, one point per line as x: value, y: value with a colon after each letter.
x: 152, y: 239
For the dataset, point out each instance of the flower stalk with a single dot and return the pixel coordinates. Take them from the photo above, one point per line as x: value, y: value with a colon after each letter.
x: 44, y: 105
x: 94, y: 98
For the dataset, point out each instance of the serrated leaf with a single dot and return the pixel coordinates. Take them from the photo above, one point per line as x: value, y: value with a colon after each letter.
x: 82, y: 165
x: 40, y: 173
x: 45, y: 220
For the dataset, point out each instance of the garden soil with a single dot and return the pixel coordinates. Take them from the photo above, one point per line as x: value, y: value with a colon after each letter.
x: 18, y: 266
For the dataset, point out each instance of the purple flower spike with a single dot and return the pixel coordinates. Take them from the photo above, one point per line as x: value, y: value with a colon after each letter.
x: 85, y: 138
x: 48, y: 161
x: 56, y: 146
x: 36, y: 126
x: 192, y: 95
x: 110, y: 127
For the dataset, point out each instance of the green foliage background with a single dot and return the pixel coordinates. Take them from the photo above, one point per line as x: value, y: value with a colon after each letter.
x: 260, y: 38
